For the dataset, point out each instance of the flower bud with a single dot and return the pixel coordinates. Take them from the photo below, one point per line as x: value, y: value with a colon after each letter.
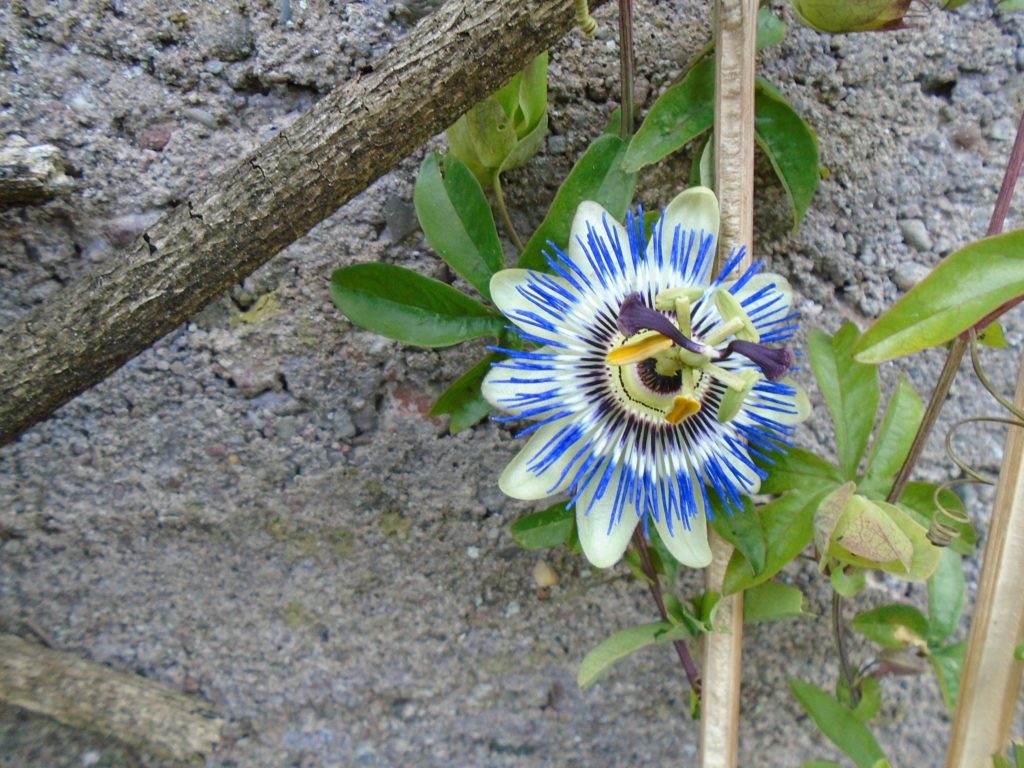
x: 851, y: 16
x: 506, y: 129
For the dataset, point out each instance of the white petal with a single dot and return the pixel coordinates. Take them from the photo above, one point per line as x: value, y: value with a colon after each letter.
x: 694, y: 209
x: 783, y: 293
x: 800, y: 403
x: 505, y: 385
x: 521, y: 482
x: 590, y: 214
x: 688, y: 546
x: 603, y: 548
x: 507, y: 292
x: 747, y: 480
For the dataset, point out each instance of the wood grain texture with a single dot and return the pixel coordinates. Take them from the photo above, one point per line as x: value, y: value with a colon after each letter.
x: 991, y: 679
x: 142, y: 713
x: 31, y: 173
x: 226, y: 229
x: 735, y: 53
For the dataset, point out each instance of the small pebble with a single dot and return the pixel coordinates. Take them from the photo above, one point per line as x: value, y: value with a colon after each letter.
x: 155, y: 137
x: 512, y: 608
x: 908, y: 274
x: 916, y: 234
x: 1002, y: 129
x: 200, y: 116
x: 473, y: 552
x: 544, y: 575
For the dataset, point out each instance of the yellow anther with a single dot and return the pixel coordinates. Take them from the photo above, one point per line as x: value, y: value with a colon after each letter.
x: 638, y: 351
x: 682, y: 407
x: 730, y: 308
x: 667, y: 299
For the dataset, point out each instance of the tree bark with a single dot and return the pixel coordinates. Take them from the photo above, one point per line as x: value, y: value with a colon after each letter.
x: 31, y: 174
x: 142, y: 713
x: 226, y: 229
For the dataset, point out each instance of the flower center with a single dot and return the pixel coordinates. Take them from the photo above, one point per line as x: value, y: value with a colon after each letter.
x: 664, y: 371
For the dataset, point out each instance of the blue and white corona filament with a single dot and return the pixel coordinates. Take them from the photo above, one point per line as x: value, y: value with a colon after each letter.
x: 649, y: 383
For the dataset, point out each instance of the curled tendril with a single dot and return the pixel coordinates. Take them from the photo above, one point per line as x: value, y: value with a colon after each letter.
x: 587, y: 22
x: 943, y: 528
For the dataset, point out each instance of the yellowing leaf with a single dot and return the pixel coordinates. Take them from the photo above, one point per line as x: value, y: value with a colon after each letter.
x: 867, y: 531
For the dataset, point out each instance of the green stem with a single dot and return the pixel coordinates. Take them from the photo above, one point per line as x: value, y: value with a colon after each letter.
x: 840, y: 638
x: 931, y: 415
x: 655, y: 586
x: 959, y: 345
x: 499, y: 202
x: 628, y: 108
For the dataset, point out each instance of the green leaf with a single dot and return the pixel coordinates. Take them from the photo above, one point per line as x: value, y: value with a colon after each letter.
x: 620, y: 645
x: 533, y: 91
x: 743, y: 530
x: 597, y: 176
x: 889, y: 530
x: 894, y: 437
x: 993, y: 335
x: 799, y: 470
x: 787, y: 523
x: 870, y: 703
x: 868, y: 531
x: 463, y: 400
x: 547, y: 528
x: 1018, y: 652
x: 457, y: 220
x: 772, y: 601
x: 848, y: 580
x: 892, y: 626
x: 838, y: 723
x: 702, y: 169
x: 692, y: 618
x: 851, y: 392
x: 918, y: 500
x: 961, y: 291
x: 949, y: 669
x: 790, y: 144
x: 770, y: 28
x: 470, y: 412
x: 946, y: 596
x: 404, y: 305
x: 527, y: 146
x: 1010, y: 5
x: 680, y: 114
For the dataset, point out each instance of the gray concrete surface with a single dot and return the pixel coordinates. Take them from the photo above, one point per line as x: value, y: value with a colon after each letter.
x: 258, y: 509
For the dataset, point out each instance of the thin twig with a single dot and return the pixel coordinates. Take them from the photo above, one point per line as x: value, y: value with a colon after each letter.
x: 840, y: 638
x: 655, y: 586
x: 628, y: 107
x: 959, y: 345
x: 931, y: 415
x: 499, y: 202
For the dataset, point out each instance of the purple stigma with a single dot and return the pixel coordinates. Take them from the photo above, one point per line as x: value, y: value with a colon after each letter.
x: 635, y: 316
x: 774, y: 363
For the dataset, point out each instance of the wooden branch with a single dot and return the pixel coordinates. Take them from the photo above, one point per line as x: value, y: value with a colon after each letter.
x: 991, y: 681
x: 223, y: 231
x: 734, y: 179
x: 30, y: 173
x: 142, y: 713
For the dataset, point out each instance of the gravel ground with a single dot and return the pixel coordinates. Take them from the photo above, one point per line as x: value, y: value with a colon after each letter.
x: 258, y: 507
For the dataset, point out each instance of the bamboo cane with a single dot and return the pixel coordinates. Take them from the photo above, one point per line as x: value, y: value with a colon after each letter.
x: 734, y: 181
x: 991, y: 680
